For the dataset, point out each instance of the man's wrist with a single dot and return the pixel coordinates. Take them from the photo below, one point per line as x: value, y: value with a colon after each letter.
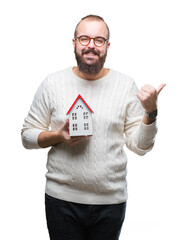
x: 48, y: 139
x: 150, y: 117
x: 151, y: 114
x: 147, y: 120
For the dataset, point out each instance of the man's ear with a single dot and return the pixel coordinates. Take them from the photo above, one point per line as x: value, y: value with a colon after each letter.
x: 73, y: 41
x: 108, y: 45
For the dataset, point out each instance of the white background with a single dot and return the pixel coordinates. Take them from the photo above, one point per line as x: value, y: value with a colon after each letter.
x: 149, y: 43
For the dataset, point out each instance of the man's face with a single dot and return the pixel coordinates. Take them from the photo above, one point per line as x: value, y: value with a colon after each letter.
x: 91, y: 58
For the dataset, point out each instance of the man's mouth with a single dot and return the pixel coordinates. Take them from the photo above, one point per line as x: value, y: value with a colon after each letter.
x: 90, y: 52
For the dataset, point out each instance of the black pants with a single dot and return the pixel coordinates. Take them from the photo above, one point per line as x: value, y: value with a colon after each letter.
x: 72, y: 221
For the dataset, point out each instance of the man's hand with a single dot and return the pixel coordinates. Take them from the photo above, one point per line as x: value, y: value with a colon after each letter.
x: 48, y: 139
x: 148, y: 97
x: 63, y: 134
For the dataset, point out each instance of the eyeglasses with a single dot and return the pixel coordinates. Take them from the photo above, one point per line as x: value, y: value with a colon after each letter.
x: 85, y: 40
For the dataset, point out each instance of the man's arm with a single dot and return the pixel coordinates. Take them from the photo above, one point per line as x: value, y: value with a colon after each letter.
x: 35, y: 132
x: 140, y: 131
x: 148, y: 97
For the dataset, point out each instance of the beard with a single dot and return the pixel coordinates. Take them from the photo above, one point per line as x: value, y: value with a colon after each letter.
x: 93, y: 68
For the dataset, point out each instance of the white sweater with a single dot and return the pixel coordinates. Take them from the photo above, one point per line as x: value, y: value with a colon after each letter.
x: 94, y: 171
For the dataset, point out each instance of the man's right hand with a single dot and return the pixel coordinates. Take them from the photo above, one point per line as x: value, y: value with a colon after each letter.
x: 66, y: 138
x: 48, y: 139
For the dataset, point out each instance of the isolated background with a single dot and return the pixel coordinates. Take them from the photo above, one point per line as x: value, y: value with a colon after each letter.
x: 149, y: 43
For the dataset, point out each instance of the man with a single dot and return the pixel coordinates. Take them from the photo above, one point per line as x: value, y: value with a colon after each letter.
x: 86, y: 189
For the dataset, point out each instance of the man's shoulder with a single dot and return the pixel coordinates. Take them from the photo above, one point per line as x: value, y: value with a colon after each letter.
x: 122, y: 77
x: 59, y: 74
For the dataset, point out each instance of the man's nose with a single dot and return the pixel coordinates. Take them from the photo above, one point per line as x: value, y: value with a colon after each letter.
x: 91, y: 44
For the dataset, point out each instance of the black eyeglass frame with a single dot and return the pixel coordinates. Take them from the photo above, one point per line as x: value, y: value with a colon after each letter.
x: 105, y: 40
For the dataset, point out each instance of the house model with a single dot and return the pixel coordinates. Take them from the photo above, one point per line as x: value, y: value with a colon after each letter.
x: 80, y: 118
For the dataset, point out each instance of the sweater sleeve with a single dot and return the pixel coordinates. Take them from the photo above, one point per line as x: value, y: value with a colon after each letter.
x: 139, y: 137
x: 39, y: 117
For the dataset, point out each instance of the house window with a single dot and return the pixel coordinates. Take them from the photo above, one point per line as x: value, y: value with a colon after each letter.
x: 86, y: 126
x: 85, y: 115
x: 74, y: 116
x: 79, y: 106
x: 74, y: 127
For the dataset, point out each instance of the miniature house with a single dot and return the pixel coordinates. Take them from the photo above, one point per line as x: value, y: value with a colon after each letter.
x: 80, y: 118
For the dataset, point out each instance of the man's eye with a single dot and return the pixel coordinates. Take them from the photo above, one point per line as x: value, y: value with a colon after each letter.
x: 99, y: 40
x: 84, y: 39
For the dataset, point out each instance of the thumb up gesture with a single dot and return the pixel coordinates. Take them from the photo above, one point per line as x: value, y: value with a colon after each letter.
x: 148, y: 97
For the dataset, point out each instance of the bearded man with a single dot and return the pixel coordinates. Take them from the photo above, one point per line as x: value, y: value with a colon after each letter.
x: 86, y: 188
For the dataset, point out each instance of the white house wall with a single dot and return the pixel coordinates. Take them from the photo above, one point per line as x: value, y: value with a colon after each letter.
x: 80, y: 121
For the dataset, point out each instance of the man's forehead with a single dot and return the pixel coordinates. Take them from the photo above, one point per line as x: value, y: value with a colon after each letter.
x: 92, y: 28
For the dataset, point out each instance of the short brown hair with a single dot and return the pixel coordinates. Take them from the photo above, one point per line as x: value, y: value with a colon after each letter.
x: 93, y: 17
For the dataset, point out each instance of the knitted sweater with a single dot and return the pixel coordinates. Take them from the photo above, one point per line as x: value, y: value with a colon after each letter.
x: 94, y: 171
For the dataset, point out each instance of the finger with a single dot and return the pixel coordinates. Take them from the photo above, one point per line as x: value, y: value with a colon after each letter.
x: 142, y: 96
x: 159, y: 89
x: 74, y: 139
x: 146, y: 88
x: 66, y: 125
x: 145, y: 94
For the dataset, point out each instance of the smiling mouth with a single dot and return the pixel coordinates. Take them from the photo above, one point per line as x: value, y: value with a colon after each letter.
x: 90, y: 52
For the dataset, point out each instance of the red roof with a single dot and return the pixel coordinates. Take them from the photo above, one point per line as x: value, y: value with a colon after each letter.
x: 79, y: 96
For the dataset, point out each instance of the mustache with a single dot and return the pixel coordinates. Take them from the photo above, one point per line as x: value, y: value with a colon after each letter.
x: 90, y: 50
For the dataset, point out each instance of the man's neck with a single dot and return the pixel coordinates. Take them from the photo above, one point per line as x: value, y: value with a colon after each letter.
x: 91, y: 77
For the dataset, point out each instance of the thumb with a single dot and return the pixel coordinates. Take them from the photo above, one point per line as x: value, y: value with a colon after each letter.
x: 66, y: 125
x: 159, y: 89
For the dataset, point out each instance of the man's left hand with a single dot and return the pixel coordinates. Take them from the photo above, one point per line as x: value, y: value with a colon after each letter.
x: 148, y: 97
